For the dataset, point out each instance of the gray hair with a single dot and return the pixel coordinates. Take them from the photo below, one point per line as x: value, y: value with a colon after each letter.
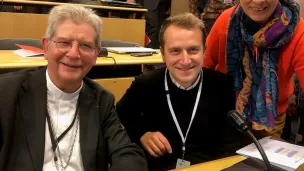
x: 77, y: 14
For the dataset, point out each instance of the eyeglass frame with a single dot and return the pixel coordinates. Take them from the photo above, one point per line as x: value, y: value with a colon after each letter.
x: 71, y: 45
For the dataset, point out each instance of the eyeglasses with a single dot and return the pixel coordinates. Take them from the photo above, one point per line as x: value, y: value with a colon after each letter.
x: 65, y: 46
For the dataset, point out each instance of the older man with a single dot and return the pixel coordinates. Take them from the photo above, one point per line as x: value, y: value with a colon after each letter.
x: 178, y: 113
x: 52, y: 118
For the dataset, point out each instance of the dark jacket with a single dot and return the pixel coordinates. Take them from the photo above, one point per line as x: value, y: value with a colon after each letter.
x: 202, y: 4
x: 23, y: 100
x: 151, y: 5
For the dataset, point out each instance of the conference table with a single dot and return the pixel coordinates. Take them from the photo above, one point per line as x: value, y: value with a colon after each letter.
x: 9, y: 60
x: 116, y: 76
x: 220, y: 164
x: 215, y: 165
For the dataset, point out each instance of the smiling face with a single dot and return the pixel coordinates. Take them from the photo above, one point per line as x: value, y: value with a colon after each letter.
x: 183, y: 53
x: 69, y: 68
x: 259, y: 10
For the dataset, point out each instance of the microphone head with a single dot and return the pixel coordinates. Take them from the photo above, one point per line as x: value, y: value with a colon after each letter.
x: 237, y: 121
x: 103, y: 52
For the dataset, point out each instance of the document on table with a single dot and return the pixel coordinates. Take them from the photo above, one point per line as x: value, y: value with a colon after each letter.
x: 285, y: 155
x: 27, y: 53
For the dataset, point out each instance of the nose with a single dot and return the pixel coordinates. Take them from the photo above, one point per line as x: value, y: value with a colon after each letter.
x: 74, y: 51
x: 186, y: 57
x: 258, y: 1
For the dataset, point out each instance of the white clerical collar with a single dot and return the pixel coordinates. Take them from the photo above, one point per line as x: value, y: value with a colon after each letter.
x: 57, y: 93
x: 183, y: 88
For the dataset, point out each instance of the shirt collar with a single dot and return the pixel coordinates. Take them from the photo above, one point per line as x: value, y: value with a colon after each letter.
x: 59, y: 94
x: 180, y: 86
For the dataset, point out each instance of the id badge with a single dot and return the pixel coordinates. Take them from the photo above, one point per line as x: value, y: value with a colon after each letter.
x: 182, y: 163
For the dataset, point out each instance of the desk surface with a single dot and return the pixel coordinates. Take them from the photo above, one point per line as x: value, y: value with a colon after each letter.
x: 215, y: 165
x: 59, y: 3
x: 9, y: 60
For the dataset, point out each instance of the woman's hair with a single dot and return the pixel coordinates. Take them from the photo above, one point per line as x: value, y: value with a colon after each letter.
x: 285, y: 3
x: 76, y: 13
x: 185, y: 20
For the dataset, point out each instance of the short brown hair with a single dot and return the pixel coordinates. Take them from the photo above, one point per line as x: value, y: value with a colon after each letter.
x: 185, y: 20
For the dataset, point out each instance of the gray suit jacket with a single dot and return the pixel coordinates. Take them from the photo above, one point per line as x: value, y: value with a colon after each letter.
x: 23, y: 98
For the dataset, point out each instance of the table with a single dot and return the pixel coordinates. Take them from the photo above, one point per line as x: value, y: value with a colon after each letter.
x: 215, y: 165
x: 9, y: 60
x: 117, y: 83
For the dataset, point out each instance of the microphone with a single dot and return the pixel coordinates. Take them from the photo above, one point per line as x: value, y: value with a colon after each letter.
x: 238, y: 122
x: 103, y: 52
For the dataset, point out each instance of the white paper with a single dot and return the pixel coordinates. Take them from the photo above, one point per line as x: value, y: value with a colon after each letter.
x: 278, y: 153
x: 27, y: 53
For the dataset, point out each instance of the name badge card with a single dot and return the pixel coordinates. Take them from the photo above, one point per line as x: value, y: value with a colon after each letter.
x: 182, y: 163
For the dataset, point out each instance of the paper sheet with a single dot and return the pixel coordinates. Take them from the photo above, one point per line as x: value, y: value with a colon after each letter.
x: 278, y: 152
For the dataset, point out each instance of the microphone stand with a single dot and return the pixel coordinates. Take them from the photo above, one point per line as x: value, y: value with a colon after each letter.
x: 238, y: 122
x: 262, y: 152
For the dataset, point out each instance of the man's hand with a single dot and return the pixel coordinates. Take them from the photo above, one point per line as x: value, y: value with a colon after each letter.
x: 132, y: 1
x: 155, y: 143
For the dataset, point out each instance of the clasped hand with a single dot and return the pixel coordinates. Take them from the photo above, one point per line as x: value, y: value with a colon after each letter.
x: 156, y: 144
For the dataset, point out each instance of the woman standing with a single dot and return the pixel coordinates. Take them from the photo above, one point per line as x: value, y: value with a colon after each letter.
x: 260, y: 44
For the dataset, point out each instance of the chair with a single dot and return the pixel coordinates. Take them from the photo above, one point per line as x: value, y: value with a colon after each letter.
x: 10, y: 43
x: 118, y: 86
x: 118, y: 43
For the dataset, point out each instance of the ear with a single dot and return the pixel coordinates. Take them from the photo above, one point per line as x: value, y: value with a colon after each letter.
x: 45, y: 46
x: 162, y: 52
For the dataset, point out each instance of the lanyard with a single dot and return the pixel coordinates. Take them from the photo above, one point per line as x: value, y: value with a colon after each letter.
x: 173, y: 114
x: 55, y: 141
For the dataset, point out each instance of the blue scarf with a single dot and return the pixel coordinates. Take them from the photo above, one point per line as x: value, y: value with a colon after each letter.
x: 252, y: 60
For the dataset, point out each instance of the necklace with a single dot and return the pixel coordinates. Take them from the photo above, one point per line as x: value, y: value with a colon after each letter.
x: 55, y: 140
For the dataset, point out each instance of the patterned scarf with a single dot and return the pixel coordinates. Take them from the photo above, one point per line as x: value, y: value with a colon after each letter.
x: 252, y: 60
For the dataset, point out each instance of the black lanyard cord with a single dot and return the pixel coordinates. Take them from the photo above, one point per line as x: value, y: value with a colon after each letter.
x: 54, y: 140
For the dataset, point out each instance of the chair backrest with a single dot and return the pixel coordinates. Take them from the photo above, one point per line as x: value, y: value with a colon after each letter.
x: 10, y: 44
x: 118, y: 43
x: 118, y: 86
